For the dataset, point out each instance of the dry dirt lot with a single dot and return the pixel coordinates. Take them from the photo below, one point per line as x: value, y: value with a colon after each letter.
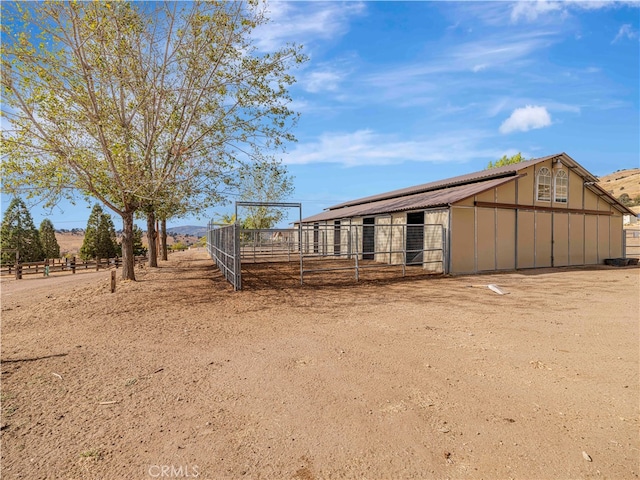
x: 177, y: 376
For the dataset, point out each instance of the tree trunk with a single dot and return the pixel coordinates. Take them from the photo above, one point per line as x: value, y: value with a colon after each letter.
x: 163, y: 237
x: 151, y: 239
x: 128, y: 265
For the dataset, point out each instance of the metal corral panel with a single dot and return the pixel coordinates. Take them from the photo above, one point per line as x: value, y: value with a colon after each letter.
x: 506, y: 240
x: 576, y: 239
x: 462, y: 240
x: 486, y: 239
x: 560, y: 239
x: 590, y: 239
x: 543, y: 239
x: 526, y: 236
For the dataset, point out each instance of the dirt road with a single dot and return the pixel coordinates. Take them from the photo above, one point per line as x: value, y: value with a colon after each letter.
x: 177, y: 376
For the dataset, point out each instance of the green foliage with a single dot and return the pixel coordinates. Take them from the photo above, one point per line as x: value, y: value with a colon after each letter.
x: 138, y: 248
x: 50, y: 246
x: 99, y: 237
x: 141, y: 105
x: 178, y: 246
x: 517, y: 158
x: 625, y: 199
x: 265, y: 182
x: 19, y: 233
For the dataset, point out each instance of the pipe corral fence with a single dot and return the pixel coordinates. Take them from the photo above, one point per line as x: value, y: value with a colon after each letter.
x: 321, y: 249
x: 631, y: 239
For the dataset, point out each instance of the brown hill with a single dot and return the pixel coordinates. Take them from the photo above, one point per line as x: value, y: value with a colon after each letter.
x: 70, y: 243
x: 622, y: 181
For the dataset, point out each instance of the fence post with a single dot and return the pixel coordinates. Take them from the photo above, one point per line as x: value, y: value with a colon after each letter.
x: 18, y: 267
x: 73, y: 265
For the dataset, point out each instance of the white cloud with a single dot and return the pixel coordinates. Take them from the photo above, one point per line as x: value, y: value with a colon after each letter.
x: 625, y: 31
x: 319, y: 81
x: 366, y: 147
x: 304, y: 22
x: 527, y: 118
x: 532, y: 10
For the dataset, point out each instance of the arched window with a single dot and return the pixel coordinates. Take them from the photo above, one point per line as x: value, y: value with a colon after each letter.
x: 544, y: 185
x: 561, y: 187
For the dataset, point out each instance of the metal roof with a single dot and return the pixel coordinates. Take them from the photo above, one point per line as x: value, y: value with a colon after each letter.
x: 506, y: 171
x: 450, y: 190
x: 436, y: 198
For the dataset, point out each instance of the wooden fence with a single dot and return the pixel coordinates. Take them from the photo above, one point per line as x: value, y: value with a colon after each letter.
x: 59, y: 265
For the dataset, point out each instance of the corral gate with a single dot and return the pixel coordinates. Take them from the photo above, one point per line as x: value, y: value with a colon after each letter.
x: 223, y: 245
x: 227, y: 244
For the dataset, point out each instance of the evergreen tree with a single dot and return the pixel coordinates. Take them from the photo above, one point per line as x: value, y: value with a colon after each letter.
x: 99, y: 236
x: 138, y: 248
x: 19, y: 233
x: 50, y: 246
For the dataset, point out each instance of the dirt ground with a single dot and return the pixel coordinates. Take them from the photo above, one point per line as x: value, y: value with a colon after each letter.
x: 177, y: 376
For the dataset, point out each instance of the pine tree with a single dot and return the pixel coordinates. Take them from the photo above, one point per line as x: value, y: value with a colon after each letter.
x: 99, y: 236
x: 19, y: 233
x: 138, y: 248
x: 50, y: 246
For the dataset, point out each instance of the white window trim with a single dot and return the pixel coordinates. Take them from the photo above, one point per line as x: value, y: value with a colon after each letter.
x: 565, y: 199
x: 550, y: 181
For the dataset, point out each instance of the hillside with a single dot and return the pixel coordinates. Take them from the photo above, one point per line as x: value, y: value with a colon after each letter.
x: 70, y: 243
x: 622, y: 181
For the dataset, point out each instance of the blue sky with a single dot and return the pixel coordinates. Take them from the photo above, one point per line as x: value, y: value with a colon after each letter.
x: 402, y: 93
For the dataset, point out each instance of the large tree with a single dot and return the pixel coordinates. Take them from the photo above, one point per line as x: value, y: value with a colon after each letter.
x: 50, y: 246
x: 135, y: 102
x: 267, y: 182
x: 19, y: 234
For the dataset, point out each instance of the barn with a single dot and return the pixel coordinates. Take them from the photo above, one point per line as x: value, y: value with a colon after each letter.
x: 545, y: 212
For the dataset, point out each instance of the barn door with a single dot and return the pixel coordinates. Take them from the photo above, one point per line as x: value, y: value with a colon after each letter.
x: 415, y: 238
x: 368, y: 238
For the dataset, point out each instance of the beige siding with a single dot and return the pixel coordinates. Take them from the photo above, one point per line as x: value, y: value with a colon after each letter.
x: 436, y: 222
x: 543, y: 239
x: 462, y: 240
x: 590, y: 239
x: 560, y: 239
x: 603, y: 238
x: 399, y: 233
x: 616, y: 236
x: 576, y: 186
x: 590, y: 200
x: 383, y: 238
x: 603, y: 206
x: 525, y: 187
x: 506, y: 240
x: 488, y: 196
x: 486, y: 239
x: 506, y: 193
x: 576, y: 239
x: 526, y: 236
